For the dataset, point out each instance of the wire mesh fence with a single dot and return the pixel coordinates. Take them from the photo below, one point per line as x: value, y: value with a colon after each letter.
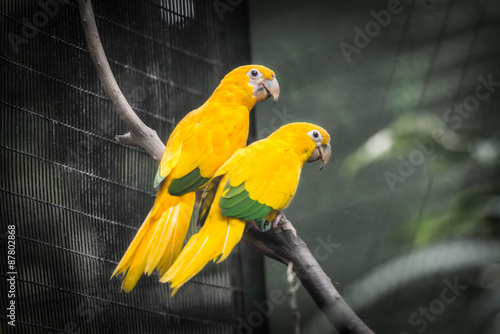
x: 72, y: 197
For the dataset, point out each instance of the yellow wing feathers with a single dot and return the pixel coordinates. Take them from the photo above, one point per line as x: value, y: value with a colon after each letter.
x: 200, y: 143
x: 254, y: 183
x: 270, y: 172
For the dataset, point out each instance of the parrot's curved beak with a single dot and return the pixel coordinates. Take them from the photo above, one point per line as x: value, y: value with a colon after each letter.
x: 323, y: 152
x: 273, y: 88
x: 266, y: 89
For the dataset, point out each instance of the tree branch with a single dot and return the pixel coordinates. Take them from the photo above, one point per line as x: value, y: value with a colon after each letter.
x: 140, y: 134
x: 282, y: 243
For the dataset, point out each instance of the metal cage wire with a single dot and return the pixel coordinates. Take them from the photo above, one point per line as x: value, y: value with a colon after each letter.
x: 74, y: 195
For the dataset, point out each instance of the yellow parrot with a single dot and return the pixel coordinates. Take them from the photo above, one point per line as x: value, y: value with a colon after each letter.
x: 202, y: 141
x: 257, y: 182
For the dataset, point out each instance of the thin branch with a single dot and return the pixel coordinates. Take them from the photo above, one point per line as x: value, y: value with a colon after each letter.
x: 140, y: 134
x: 281, y: 243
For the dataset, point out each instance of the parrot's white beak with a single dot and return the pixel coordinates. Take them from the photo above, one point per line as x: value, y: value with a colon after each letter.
x: 266, y: 89
x: 323, y: 152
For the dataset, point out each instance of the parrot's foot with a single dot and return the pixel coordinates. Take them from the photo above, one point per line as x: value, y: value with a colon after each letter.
x: 264, y: 225
x: 277, y: 219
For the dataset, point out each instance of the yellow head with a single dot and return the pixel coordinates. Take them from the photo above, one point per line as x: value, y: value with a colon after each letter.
x: 311, y: 142
x: 249, y: 84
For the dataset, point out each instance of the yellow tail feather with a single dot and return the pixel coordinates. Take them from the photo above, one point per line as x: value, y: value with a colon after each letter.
x: 159, y: 240
x: 216, y: 238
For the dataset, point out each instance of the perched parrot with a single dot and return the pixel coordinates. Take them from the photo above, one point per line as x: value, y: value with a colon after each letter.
x: 257, y: 182
x: 199, y: 145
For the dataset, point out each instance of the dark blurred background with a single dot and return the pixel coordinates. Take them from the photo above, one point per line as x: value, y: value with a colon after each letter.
x: 410, y: 91
x: 404, y: 218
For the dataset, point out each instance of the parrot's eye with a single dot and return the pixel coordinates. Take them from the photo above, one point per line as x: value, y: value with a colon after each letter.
x: 254, y: 73
x: 315, y: 135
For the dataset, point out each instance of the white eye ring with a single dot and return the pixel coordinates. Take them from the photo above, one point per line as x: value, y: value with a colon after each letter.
x: 315, y: 135
x: 253, y: 73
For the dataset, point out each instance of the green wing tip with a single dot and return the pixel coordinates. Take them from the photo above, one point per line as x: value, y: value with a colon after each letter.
x: 240, y: 205
x: 260, y: 213
x: 187, y: 183
x: 233, y: 191
x: 158, y: 178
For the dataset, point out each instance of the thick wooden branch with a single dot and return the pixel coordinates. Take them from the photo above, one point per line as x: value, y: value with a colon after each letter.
x: 282, y: 243
x: 140, y: 134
